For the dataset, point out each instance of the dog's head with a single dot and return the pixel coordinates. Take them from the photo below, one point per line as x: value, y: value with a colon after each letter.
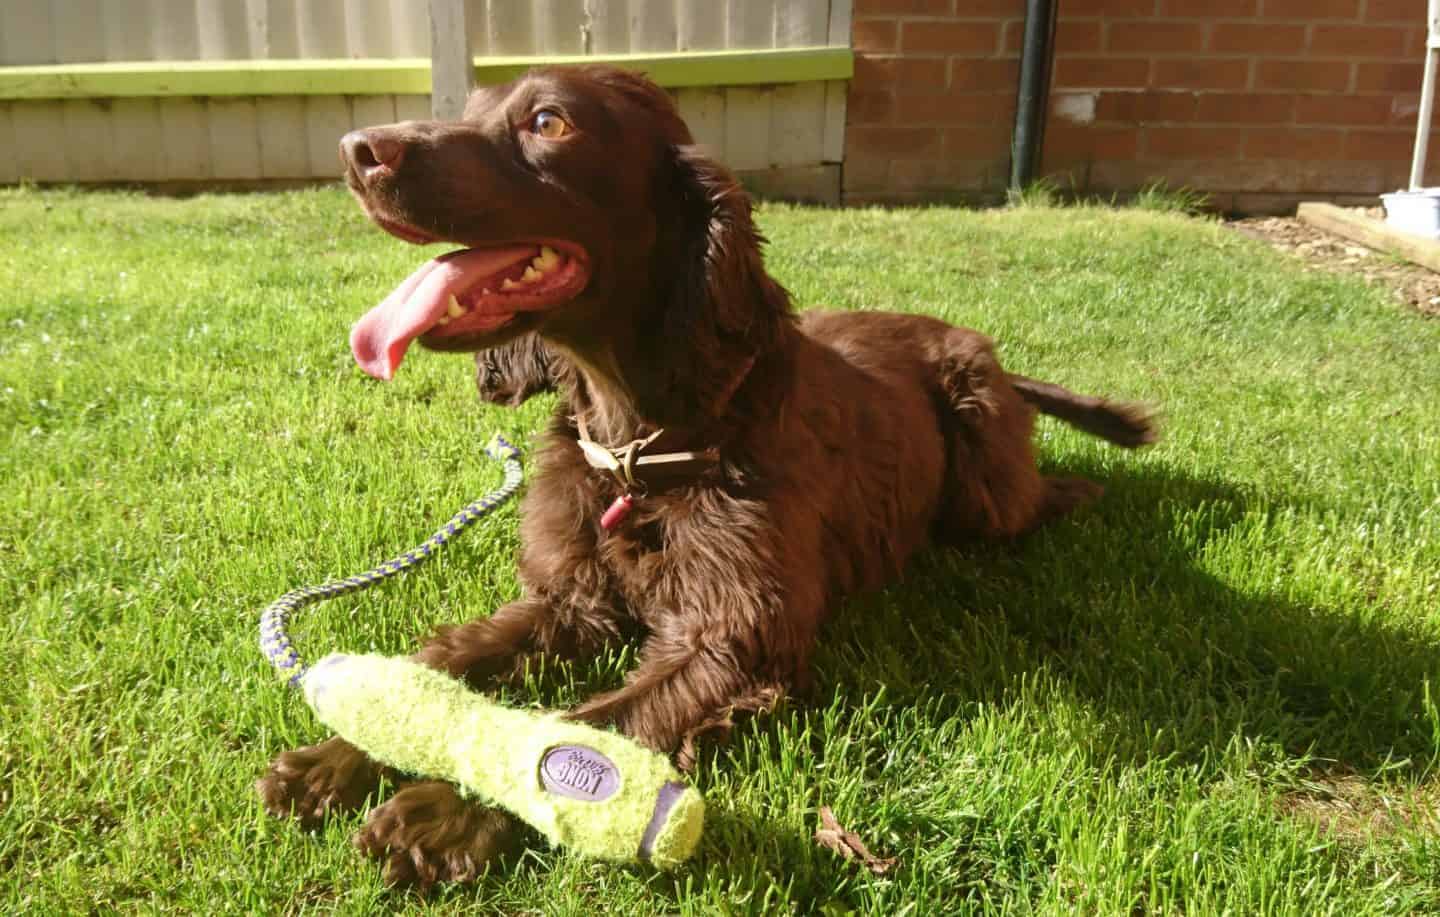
x: 580, y: 206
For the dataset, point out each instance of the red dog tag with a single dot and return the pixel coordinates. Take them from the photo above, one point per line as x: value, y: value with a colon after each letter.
x: 617, y: 512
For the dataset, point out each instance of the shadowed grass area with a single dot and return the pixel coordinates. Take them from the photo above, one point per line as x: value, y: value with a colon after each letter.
x: 1158, y: 704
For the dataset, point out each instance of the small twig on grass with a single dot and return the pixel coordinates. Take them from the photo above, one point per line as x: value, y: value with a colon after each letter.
x: 848, y: 844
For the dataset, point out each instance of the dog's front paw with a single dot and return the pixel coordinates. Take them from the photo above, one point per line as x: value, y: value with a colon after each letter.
x: 427, y: 833
x: 309, y: 782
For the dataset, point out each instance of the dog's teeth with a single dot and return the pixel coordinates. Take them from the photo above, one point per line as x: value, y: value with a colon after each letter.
x: 548, y: 258
x: 508, y: 284
x: 530, y: 275
x: 454, y: 309
x: 486, y: 292
x: 444, y: 320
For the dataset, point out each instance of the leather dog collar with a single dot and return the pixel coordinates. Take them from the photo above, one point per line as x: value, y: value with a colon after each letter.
x: 632, y: 467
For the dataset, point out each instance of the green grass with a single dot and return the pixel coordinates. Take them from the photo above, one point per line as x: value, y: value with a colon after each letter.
x: 1216, y: 691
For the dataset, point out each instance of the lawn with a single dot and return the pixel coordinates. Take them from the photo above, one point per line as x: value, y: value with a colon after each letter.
x: 1215, y: 691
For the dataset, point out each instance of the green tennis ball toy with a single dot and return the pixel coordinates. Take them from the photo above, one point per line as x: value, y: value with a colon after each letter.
x: 590, y: 790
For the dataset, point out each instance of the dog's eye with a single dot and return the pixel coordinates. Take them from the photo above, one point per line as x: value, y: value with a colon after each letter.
x: 549, y: 125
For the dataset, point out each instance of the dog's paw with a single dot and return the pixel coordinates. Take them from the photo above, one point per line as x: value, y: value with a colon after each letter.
x: 427, y: 833
x: 310, y: 782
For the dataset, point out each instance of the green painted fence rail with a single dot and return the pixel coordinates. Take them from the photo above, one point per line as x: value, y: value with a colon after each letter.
x: 409, y: 76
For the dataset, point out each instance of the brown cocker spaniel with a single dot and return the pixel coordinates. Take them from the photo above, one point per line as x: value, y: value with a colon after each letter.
x: 744, y: 469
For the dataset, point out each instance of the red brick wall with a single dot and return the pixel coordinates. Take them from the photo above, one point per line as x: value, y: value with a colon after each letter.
x: 1257, y: 102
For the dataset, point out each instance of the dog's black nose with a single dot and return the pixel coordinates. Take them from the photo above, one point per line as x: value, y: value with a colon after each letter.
x: 372, y: 152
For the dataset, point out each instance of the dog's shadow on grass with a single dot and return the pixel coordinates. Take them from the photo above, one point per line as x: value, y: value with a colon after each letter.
x: 1128, y: 608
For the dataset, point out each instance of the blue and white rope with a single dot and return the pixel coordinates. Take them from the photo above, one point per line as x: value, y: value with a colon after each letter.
x: 275, y: 641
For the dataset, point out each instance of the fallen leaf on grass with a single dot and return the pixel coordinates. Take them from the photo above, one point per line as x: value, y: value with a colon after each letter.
x: 848, y: 844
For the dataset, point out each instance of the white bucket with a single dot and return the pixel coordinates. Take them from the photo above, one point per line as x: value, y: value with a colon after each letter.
x: 1415, y: 212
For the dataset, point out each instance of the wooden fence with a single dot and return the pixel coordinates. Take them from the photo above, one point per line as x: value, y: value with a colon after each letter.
x: 174, y: 91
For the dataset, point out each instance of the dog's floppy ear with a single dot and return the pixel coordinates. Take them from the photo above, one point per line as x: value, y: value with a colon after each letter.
x: 722, y: 306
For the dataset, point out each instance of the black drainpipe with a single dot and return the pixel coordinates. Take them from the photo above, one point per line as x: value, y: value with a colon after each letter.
x: 1036, y: 59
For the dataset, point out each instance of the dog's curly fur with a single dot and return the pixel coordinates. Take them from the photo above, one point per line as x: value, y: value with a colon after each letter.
x: 848, y: 441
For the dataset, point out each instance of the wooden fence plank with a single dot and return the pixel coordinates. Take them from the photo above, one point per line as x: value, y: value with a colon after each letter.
x: 737, y: 67
x: 126, y: 35
x: 257, y: 28
x: 9, y: 168
x: 284, y: 148
x: 320, y: 28
x: 747, y: 128
x: 1372, y: 233
x: 409, y: 29
x: 652, y: 25
x: 750, y: 24
x: 559, y: 26
x: 282, y: 30
x: 234, y: 138
x: 78, y: 38
x: 452, y: 69
x: 840, y: 15
x: 797, y: 124
x: 26, y: 35
x: 87, y: 134
x: 367, y: 29
x: 221, y: 31
x: 509, y: 27
x: 37, y: 154
x: 704, y: 111
x: 607, y: 23
x: 326, y: 121
x: 368, y: 111
x: 135, y: 133
x: 700, y: 26
x: 836, y: 95
x: 185, y: 139
x: 802, y: 23
x: 412, y: 108
x: 174, y: 31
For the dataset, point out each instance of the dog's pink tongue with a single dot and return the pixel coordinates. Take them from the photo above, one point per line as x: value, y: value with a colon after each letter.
x: 380, y: 338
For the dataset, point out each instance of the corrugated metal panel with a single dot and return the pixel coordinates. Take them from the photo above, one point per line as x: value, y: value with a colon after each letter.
x: 239, y: 138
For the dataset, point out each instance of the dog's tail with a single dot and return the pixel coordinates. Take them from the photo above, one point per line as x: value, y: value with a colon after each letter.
x: 1122, y: 423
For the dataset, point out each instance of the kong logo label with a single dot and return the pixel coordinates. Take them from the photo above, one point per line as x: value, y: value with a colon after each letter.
x: 578, y: 772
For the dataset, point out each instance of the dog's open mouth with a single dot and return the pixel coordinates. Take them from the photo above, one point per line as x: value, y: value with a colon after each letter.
x: 466, y: 292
